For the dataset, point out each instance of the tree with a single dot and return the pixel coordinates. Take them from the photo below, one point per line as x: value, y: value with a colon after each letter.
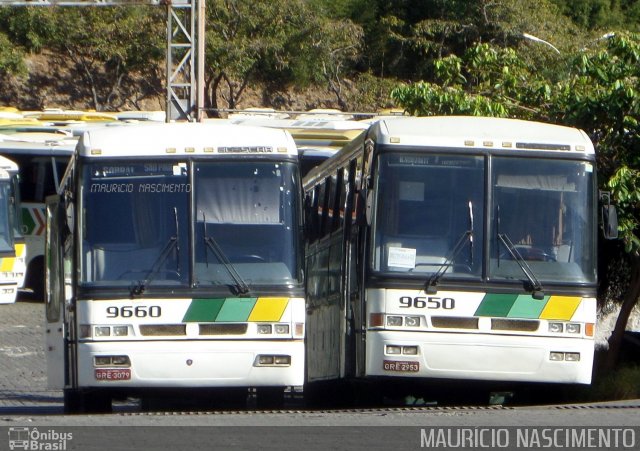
x: 110, y: 56
x: 275, y: 43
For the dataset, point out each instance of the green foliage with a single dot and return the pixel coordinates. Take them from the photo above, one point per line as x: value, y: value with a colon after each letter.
x: 486, y: 81
x: 275, y: 43
x: 625, y: 187
x: 11, y: 58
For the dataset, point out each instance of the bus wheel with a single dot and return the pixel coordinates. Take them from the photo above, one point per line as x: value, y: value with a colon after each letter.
x: 269, y: 397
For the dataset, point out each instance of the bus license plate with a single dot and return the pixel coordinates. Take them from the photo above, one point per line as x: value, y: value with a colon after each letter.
x: 406, y: 367
x: 113, y: 374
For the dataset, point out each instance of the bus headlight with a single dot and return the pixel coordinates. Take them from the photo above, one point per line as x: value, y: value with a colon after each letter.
x: 412, y: 321
x: 556, y: 328
x: 120, y: 331
x: 102, y: 331
x: 282, y: 328
x: 264, y: 329
x: 394, y: 321
x: 573, y: 328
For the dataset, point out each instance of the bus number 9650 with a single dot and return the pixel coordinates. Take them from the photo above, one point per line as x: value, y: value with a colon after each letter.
x: 128, y: 311
x: 429, y: 302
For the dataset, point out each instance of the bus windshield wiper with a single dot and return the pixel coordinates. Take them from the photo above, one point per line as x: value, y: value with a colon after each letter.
x: 172, y: 244
x: 466, y: 236
x: 240, y: 285
x: 536, y: 286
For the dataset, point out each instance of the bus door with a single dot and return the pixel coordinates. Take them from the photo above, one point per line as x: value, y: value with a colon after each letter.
x: 55, y: 293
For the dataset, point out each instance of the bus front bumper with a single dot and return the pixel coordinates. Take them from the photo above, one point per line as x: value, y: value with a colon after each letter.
x: 479, y: 357
x: 182, y: 364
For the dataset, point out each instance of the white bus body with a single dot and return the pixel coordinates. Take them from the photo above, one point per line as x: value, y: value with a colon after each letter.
x: 454, y: 248
x: 42, y: 159
x: 182, y: 253
x: 12, y: 263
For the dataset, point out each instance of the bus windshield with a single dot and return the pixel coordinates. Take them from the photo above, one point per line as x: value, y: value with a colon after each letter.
x: 137, y: 231
x: 429, y: 214
x: 248, y: 210
x: 542, y: 214
x: 431, y: 218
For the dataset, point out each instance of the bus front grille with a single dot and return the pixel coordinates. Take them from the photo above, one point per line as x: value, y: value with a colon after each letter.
x: 520, y: 325
x: 157, y: 330
x: 223, y: 329
x: 454, y: 322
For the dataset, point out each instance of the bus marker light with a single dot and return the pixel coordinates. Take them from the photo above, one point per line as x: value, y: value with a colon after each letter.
x: 85, y: 331
x: 299, y: 330
x: 572, y: 356
x: 556, y: 356
x: 589, y: 329
x: 376, y: 320
x: 556, y: 327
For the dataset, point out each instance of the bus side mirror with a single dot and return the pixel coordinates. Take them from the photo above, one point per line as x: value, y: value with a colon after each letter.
x: 609, y: 216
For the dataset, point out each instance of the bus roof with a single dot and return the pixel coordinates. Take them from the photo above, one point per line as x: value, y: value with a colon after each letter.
x: 8, y: 165
x: 55, y: 147
x: 480, y: 132
x: 173, y: 139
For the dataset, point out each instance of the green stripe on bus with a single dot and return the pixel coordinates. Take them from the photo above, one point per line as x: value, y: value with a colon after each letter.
x: 203, y: 310
x: 527, y: 307
x: 236, y: 309
x: 496, y: 305
x: 28, y: 224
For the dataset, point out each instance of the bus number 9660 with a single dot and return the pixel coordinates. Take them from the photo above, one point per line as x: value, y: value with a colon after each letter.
x: 429, y: 302
x: 141, y: 311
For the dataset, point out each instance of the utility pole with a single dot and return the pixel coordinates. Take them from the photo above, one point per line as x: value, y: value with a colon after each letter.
x: 185, y: 49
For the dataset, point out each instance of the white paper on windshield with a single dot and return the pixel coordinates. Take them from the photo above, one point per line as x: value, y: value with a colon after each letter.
x: 402, y: 257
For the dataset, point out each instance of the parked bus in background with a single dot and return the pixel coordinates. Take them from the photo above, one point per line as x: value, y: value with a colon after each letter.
x: 12, y: 263
x: 318, y: 134
x: 454, y: 248
x: 175, y: 262
x: 42, y: 158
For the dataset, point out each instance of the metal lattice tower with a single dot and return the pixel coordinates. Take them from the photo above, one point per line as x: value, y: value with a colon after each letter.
x: 185, y: 49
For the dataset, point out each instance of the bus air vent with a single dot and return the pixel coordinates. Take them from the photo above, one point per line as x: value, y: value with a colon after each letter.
x: 157, y: 330
x: 454, y: 322
x: 223, y: 329
x: 521, y: 325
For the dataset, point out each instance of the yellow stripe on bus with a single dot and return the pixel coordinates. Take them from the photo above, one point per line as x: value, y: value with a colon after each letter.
x: 560, y: 307
x: 268, y: 309
x: 21, y: 250
x: 6, y: 264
